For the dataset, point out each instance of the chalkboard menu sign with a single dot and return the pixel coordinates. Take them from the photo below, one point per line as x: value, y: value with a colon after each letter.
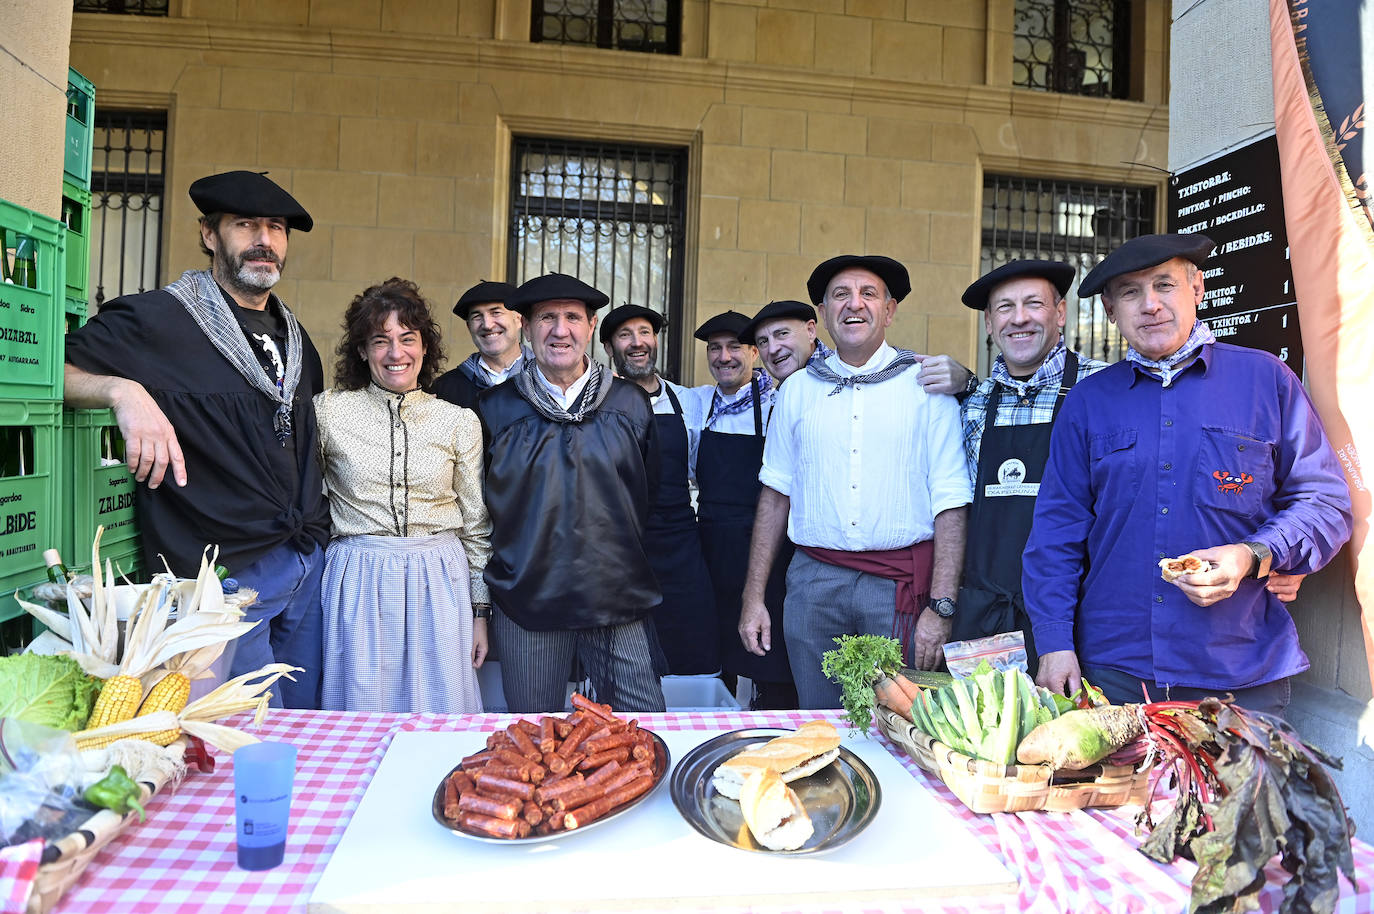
x: 1236, y: 200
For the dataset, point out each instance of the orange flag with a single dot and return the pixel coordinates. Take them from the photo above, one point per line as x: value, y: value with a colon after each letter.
x: 1332, y: 249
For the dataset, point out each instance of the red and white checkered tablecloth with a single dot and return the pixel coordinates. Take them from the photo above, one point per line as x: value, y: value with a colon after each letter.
x: 183, y: 859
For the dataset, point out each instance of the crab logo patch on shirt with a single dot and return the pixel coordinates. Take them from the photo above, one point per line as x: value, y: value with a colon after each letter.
x: 1011, y: 480
x: 1232, y: 483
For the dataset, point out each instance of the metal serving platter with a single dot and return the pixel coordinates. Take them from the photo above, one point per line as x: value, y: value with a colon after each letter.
x: 662, y: 760
x: 841, y: 799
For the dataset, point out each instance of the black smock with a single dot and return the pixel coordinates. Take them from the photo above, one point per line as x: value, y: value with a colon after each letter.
x: 244, y: 491
x: 568, y: 504
x: 686, y: 619
x: 728, y: 494
x: 990, y: 600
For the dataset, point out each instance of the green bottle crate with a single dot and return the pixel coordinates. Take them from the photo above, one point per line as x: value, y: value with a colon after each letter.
x: 30, y: 494
x: 31, y: 335
x: 100, y: 489
x: 80, y: 129
x: 76, y: 216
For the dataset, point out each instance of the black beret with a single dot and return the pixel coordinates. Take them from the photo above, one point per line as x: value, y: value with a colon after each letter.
x: 892, y: 273
x: 1142, y: 253
x: 1058, y: 273
x: 484, y: 293
x: 247, y: 193
x: 552, y: 286
x: 772, y: 311
x: 611, y: 322
x: 731, y: 322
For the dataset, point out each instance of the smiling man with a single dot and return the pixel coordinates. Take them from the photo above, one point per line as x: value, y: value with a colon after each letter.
x: 495, y: 331
x: 686, y: 619
x: 864, y: 471
x: 212, y: 378
x: 1188, y: 446
x: 1007, y: 420
x: 784, y: 332
x: 572, y: 461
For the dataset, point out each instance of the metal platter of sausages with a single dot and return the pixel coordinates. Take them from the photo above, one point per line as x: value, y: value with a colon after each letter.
x: 541, y: 780
x: 836, y: 791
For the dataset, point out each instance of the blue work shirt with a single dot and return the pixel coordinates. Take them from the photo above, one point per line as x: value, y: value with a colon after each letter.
x: 1231, y: 451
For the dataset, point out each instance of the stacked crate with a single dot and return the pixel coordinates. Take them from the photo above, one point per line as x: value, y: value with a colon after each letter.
x: 32, y: 516
x: 99, y: 489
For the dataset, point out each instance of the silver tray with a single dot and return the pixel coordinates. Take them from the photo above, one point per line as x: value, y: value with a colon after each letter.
x: 841, y: 798
x: 662, y: 759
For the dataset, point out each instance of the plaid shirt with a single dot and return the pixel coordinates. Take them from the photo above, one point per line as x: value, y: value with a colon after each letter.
x: 1029, y: 402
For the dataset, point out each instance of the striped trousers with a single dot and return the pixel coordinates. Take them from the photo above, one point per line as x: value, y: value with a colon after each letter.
x: 618, y: 659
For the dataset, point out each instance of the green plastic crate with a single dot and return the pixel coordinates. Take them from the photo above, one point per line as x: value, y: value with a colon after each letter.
x: 30, y: 494
x: 101, y: 490
x: 76, y: 160
x: 76, y: 216
x: 31, y: 334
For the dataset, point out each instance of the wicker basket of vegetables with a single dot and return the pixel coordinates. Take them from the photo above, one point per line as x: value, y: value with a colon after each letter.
x: 966, y: 731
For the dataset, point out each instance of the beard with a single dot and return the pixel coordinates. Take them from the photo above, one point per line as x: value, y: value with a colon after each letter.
x: 253, y: 277
x: 634, y: 372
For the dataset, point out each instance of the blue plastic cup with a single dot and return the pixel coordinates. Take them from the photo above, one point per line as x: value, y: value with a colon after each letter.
x: 263, y: 773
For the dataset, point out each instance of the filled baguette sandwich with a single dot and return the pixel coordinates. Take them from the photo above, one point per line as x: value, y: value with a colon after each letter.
x: 1173, y: 569
x: 810, y: 748
x: 773, y: 811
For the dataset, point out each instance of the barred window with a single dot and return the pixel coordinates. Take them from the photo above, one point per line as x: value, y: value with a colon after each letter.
x: 122, y: 7
x: 654, y: 26
x: 1072, y: 221
x: 1079, y: 47
x: 126, y: 202
x: 612, y: 215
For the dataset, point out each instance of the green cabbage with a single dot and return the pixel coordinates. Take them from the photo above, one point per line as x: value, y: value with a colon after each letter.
x: 52, y: 691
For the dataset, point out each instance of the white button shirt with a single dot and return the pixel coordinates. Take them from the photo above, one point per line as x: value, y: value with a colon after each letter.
x: 870, y: 467
x: 691, y: 416
x: 567, y: 398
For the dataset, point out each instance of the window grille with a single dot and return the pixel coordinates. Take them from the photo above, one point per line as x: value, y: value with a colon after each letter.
x: 612, y: 215
x: 122, y: 7
x: 1079, y: 47
x: 654, y: 26
x: 126, y: 202
x: 1072, y: 221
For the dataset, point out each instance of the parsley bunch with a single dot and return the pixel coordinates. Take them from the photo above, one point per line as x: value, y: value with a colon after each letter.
x: 859, y: 662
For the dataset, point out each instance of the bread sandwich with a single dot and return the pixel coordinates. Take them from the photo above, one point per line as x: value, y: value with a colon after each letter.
x: 772, y: 810
x: 807, y: 750
x: 1173, y: 569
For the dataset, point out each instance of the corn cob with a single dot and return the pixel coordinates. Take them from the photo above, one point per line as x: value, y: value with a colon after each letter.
x: 118, y: 701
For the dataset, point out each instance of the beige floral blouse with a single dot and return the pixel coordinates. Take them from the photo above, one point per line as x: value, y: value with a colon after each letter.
x: 405, y: 465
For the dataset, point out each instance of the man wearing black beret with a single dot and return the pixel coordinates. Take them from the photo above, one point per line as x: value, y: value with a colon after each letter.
x: 784, y: 332
x: 212, y: 378
x: 686, y: 619
x: 1007, y: 420
x: 495, y: 331
x: 1187, y: 447
x: 862, y: 470
x: 572, y: 461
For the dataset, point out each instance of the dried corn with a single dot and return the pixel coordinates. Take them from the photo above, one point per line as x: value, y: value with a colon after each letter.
x: 118, y: 701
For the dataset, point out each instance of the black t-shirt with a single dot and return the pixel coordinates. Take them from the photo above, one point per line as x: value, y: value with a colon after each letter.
x: 244, y: 491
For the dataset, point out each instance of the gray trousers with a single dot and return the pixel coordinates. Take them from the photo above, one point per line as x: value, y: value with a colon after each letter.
x: 823, y: 602
x: 618, y: 659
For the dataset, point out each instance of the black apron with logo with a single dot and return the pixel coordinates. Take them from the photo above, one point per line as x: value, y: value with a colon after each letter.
x: 1011, y: 463
x: 686, y: 619
x: 728, y: 484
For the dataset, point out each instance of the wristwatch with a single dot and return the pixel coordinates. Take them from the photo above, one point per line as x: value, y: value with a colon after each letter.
x: 943, y: 607
x: 481, y: 611
x: 1259, y: 568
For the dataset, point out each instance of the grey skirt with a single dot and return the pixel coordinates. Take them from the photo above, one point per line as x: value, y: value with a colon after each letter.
x: 398, y: 625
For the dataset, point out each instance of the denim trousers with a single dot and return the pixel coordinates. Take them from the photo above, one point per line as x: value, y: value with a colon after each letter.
x: 288, y: 605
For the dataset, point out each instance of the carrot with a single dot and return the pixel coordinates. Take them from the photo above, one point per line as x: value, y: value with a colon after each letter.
x: 911, y: 689
x: 1077, y: 739
x: 891, y: 695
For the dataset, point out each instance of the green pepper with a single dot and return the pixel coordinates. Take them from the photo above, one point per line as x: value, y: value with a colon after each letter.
x: 118, y: 792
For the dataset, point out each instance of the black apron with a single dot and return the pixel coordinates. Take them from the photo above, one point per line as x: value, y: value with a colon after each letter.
x: 686, y: 619
x: 728, y: 484
x: 990, y: 600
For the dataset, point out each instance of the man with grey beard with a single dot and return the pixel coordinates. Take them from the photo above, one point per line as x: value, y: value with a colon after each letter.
x: 212, y: 378
x: 686, y: 619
